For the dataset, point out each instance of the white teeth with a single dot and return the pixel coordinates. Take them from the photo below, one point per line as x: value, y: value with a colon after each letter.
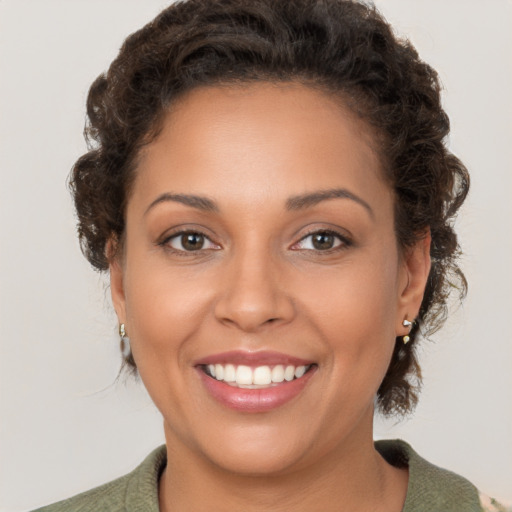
x: 261, y: 376
x: 299, y: 371
x: 289, y: 373
x: 244, y: 375
x: 229, y: 373
x: 278, y: 373
x: 219, y: 372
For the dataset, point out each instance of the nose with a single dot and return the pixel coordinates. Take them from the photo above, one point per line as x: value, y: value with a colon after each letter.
x: 253, y: 293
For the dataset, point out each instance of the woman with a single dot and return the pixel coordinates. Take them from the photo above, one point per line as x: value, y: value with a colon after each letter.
x: 270, y: 192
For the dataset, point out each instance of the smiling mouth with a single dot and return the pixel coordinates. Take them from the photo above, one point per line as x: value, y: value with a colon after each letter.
x: 259, y: 377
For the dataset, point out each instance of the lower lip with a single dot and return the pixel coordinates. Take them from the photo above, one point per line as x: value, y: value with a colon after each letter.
x: 255, y: 400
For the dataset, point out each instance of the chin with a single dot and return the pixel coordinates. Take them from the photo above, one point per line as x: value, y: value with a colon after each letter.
x: 253, y: 461
x: 258, y: 450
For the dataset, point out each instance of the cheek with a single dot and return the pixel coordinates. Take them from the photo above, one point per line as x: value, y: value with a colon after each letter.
x: 354, y: 309
x: 165, y: 307
x: 360, y: 296
x: 165, y: 310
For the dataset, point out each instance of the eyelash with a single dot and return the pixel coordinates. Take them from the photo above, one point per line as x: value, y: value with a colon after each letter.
x: 344, y: 242
x: 183, y: 252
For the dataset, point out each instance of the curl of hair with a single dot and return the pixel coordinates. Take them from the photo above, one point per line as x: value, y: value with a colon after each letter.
x: 343, y: 47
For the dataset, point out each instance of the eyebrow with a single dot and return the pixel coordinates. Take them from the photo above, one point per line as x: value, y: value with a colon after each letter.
x: 313, y: 198
x: 294, y: 203
x: 199, y: 202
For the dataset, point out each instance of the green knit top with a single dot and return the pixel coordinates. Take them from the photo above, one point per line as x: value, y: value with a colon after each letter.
x: 431, y: 489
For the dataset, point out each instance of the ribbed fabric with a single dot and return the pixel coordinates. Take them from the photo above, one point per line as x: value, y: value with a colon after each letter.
x: 431, y: 489
x: 135, y: 492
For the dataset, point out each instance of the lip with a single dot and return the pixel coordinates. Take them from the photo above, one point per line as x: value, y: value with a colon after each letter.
x: 254, y: 400
x: 253, y: 359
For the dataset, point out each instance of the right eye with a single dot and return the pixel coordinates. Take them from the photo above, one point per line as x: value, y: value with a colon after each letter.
x: 323, y: 240
x: 190, y: 241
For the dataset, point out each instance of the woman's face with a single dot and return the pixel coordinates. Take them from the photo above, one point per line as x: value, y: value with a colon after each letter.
x: 260, y: 246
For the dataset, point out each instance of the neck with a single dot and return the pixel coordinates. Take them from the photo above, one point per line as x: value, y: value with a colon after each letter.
x: 351, y: 477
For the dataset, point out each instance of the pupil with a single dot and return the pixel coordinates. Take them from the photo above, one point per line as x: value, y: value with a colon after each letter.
x: 323, y: 241
x: 192, y: 241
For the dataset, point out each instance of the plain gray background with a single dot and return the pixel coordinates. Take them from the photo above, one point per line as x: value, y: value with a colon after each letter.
x: 65, y: 424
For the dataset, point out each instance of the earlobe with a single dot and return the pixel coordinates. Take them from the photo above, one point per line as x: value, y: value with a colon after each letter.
x: 417, y: 269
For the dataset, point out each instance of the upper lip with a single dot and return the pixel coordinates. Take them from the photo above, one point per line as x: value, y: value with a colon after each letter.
x: 257, y: 358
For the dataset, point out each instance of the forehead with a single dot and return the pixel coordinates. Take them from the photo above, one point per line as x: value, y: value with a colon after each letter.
x: 257, y: 141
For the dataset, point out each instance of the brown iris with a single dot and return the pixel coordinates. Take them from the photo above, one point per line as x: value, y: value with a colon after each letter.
x: 323, y: 241
x: 192, y: 241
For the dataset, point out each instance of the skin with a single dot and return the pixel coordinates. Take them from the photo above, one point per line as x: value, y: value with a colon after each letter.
x: 258, y: 283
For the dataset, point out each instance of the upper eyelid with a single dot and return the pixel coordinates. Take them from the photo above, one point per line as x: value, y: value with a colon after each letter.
x: 324, y: 230
x: 344, y: 239
x: 181, y: 230
x: 185, y: 232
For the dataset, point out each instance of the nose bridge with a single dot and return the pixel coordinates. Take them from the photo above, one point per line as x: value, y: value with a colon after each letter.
x: 252, y: 292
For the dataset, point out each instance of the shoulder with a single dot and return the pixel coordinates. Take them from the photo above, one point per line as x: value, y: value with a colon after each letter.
x: 137, y: 490
x: 432, y: 488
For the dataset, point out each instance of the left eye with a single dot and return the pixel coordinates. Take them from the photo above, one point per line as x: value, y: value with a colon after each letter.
x: 191, y: 241
x: 320, y: 241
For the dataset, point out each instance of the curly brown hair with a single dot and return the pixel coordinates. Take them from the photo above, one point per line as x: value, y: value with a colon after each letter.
x: 340, y: 46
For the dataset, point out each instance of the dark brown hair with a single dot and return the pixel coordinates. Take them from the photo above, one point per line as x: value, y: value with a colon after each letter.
x: 340, y: 46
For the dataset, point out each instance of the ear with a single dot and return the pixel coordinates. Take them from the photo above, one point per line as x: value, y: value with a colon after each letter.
x: 415, y: 272
x: 117, y: 283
